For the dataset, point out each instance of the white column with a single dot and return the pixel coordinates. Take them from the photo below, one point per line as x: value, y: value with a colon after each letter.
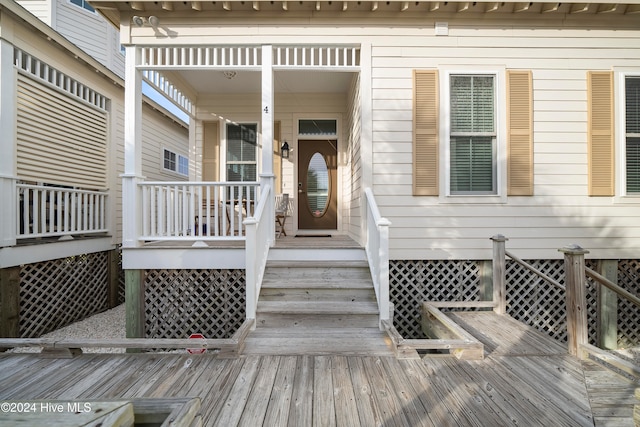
x: 267, y: 110
x: 366, y: 132
x: 8, y: 209
x: 131, y: 203
x: 267, y: 176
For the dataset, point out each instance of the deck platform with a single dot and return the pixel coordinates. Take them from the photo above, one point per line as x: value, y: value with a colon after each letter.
x: 525, y: 379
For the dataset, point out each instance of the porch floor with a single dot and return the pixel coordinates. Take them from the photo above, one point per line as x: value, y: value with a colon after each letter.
x: 516, y: 384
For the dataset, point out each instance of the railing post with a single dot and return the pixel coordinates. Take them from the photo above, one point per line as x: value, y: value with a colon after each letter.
x: 383, y: 270
x: 8, y: 163
x: 499, y: 274
x: 251, y: 226
x: 575, y: 282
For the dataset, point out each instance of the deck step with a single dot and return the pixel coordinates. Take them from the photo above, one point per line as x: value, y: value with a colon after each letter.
x: 318, y: 307
x: 316, y: 341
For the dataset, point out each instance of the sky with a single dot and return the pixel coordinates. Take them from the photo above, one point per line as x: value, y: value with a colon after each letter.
x: 162, y: 100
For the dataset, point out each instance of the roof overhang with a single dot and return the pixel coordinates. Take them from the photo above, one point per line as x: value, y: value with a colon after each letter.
x: 113, y: 10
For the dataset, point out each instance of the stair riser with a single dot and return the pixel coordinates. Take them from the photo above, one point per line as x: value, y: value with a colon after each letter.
x: 274, y: 320
x: 323, y: 294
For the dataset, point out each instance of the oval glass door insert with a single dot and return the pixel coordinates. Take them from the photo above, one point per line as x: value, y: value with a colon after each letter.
x: 317, y: 185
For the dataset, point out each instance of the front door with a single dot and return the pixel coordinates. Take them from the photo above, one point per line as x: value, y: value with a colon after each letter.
x: 317, y: 185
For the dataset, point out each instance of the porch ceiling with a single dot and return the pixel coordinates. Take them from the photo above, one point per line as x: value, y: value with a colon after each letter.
x: 207, y: 82
x: 112, y: 9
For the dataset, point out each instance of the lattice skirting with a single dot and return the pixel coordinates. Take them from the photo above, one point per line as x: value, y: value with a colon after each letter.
x: 412, y: 282
x: 179, y: 303
x: 58, y: 292
x: 530, y: 299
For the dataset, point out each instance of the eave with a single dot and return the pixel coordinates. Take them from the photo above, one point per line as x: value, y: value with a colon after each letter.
x: 114, y: 9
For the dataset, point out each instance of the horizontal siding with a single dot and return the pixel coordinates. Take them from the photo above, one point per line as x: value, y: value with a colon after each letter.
x: 560, y: 212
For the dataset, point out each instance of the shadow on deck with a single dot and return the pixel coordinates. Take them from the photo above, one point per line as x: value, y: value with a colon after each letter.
x: 524, y: 379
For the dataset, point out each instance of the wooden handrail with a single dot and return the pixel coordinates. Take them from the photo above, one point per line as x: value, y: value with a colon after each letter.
x: 615, y: 288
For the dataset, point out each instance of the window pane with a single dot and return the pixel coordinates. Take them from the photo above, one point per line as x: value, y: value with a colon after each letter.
x: 317, y: 127
x: 241, y: 172
x: 633, y: 165
x: 241, y: 143
x: 472, y: 166
x: 183, y: 165
x: 472, y: 104
x: 632, y: 104
x: 169, y: 160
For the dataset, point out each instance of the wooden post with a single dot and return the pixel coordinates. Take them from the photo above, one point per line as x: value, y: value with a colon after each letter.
x: 486, y: 281
x: 113, y: 277
x: 608, y: 306
x: 499, y: 274
x: 10, y: 302
x: 575, y: 282
x: 134, y: 304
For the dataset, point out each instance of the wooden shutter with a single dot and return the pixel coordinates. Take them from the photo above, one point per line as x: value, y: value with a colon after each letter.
x: 519, y: 133
x: 600, y: 148
x: 210, y: 152
x: 425, y: 133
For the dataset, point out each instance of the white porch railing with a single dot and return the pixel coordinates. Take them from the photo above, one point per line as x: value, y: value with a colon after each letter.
x: 259, y: 237
x: 45, y: 211
x: 197, y: 210
x: 377, y: 248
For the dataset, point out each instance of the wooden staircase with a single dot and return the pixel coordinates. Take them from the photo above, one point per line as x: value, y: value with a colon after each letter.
x: 317, y: 308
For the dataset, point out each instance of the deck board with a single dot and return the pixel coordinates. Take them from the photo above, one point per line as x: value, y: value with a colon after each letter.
x: 508, y: 387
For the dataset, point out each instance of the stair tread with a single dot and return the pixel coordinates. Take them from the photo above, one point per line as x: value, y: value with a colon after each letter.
x: 318, y: 264
x: 271, y: 283
x: 318, y: 332
x: 320, y: 307
x: 315, y: 345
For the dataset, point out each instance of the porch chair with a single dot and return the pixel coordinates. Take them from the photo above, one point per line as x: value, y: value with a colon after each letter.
x: 282, y: 212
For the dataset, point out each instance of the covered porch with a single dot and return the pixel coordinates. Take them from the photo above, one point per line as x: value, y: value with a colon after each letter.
x: 267, y: 123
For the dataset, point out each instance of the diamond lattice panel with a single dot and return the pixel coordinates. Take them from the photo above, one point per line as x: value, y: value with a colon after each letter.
x: 181, y: 302
x: 532, y: 300
x: 628, y: 313
x: 412, y: 282
x: 59, y: 292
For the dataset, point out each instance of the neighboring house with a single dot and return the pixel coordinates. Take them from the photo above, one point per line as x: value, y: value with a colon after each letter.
x: 465, y: 119
x: 62, y: 115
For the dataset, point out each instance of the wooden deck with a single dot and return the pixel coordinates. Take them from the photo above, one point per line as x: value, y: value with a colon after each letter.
x: 525, y: 379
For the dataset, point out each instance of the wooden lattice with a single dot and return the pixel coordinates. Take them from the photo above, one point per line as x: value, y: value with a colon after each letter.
x: 530, y: 298
x: 412, y: 282
x: 179, y: 303
x: 628, y: 313
x: 59, y: 292
x: 534, y: 301
x: 121, y: 277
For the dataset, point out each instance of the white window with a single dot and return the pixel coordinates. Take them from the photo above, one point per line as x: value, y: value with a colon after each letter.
x: 242, y: 153
x: 472, y: 134
x: 83, y: 4
x: 175, y: 162
x: 632, y: 133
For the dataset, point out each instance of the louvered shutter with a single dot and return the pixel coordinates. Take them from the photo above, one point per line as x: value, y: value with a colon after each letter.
x: 60, y: 140
x: 520, y: 133
x: 600, y: 148
x: 425, y: 133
